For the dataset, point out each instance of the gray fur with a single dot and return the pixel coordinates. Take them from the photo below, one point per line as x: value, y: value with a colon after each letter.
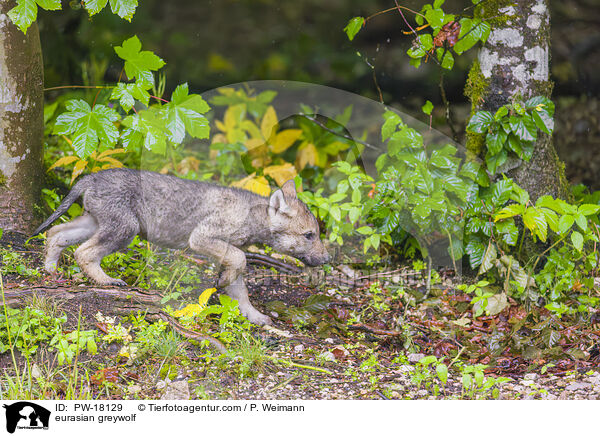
x: 212, y: 220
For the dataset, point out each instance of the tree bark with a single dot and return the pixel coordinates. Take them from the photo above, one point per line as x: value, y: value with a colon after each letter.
x: 21, y: 123
x: 514, y: 63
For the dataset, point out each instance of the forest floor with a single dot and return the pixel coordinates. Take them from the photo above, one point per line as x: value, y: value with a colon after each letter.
x: 379, y: 340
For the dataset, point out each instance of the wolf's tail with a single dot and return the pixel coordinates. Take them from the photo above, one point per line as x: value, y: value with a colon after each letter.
x: 77, y: 190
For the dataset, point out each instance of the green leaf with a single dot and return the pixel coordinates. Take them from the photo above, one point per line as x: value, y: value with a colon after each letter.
x: 509, y: 212
x: 581, y: 221
x: 389, y: 126
x: 508, y: 231
x: 365, y: 230
x: 95, y: 6
x: 354, y: 26
x: 501, y: 113
x: 435, y: 17
x: 49, y: 5
x: 87, y: 126
x: 487, y: 262
x: 495, y: 161
x: 535, y: 221
x: 523, y: 127
x: 480, y: 122
x: 577, y: 239
x: 427, y: 107
x: 127, y: 93
x: 445, y: 57
x: 442, y: 372
x: 551, y: 218
x: 589, y: 209
x: 138, y: 64
x: 124, y: 8
x: 565, y: 222
x: 184, y: 112
x: 495, y: 141
x: 466, y: 38
x: 23, y: 14
x: 544, y: 104
x: 543, y: 121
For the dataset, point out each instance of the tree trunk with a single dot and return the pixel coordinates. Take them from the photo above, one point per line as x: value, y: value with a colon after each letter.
x: 514, y: 63
x: 21, y: 123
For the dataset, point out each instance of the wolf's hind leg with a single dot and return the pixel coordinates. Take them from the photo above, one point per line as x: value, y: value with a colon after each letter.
x: 62, y: 236
x: 104, y: 242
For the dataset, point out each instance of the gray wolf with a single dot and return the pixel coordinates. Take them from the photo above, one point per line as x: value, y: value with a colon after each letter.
x: 212, y: 220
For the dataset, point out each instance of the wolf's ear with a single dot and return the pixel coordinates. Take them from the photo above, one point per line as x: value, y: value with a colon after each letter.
x: 289, y: 190
x: 278, y: 205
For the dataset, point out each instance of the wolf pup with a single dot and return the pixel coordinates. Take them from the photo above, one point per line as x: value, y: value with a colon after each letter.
x: 212, y: 220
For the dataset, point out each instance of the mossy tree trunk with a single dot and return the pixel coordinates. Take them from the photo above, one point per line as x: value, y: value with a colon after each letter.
x: 514, y: 63
x: 21, y: 123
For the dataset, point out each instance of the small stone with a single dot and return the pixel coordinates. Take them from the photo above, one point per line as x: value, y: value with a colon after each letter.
x: 134, y: 389
x: 415, y: 357
x: 299, y: 348
x: 530, y: 376
x: 578, y: 385
x: 406, y: 368
x: 178, y: 390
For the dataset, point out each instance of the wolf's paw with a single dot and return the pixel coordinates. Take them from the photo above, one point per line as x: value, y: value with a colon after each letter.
x: 113, y: 282
x: 255, y: 317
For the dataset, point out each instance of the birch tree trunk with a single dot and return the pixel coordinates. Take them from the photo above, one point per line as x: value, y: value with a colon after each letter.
x: 21, y: 123
x: 514, y: 63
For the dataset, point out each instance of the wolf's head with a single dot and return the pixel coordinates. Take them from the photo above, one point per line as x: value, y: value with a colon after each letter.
x: 294, y: 229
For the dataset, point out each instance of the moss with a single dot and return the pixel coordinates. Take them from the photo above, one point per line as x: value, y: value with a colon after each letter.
x: 2, y: 179
x: 543, y: 87
x: 475, y: 90
x: 490, y: 9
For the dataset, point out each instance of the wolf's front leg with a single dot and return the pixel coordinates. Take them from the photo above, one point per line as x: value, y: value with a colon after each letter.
x: 238, y: 291
x: 233, y: 261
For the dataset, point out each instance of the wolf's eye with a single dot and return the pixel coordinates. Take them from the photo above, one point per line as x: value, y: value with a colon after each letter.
x: 309, y: 235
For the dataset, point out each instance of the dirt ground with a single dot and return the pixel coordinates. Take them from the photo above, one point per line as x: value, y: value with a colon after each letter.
x: 351, y: 343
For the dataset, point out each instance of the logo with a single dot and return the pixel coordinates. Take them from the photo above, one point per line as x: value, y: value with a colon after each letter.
x: 26, y: 415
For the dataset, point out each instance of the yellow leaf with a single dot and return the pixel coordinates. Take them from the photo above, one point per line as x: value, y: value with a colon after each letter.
x: 281, y: 173
x: 234, y: 116
x: 96, y: 169
x: 268, y: 123
x: 258, y: 185
x: 307, y: 155
x: 93, y: 155
x: 205, y: 295
x: 285, y: 139
x: 219, y: 138
x: 220, y: 126
x: 109, y: 152
x: 63, y: 161
x: 253, y: 143
x: 112, y: 161
x: 188, y: 164
x: 78, y: 169
x: 235, y: 135
x: 251, y: 128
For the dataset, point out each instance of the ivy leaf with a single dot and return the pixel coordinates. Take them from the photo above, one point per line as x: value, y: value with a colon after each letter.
x: 354, y: 26
x: 88, y: 126
x: 480, y: 122
x: 138, y: 64
x: 523, y: 127
x: 124, y: 8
